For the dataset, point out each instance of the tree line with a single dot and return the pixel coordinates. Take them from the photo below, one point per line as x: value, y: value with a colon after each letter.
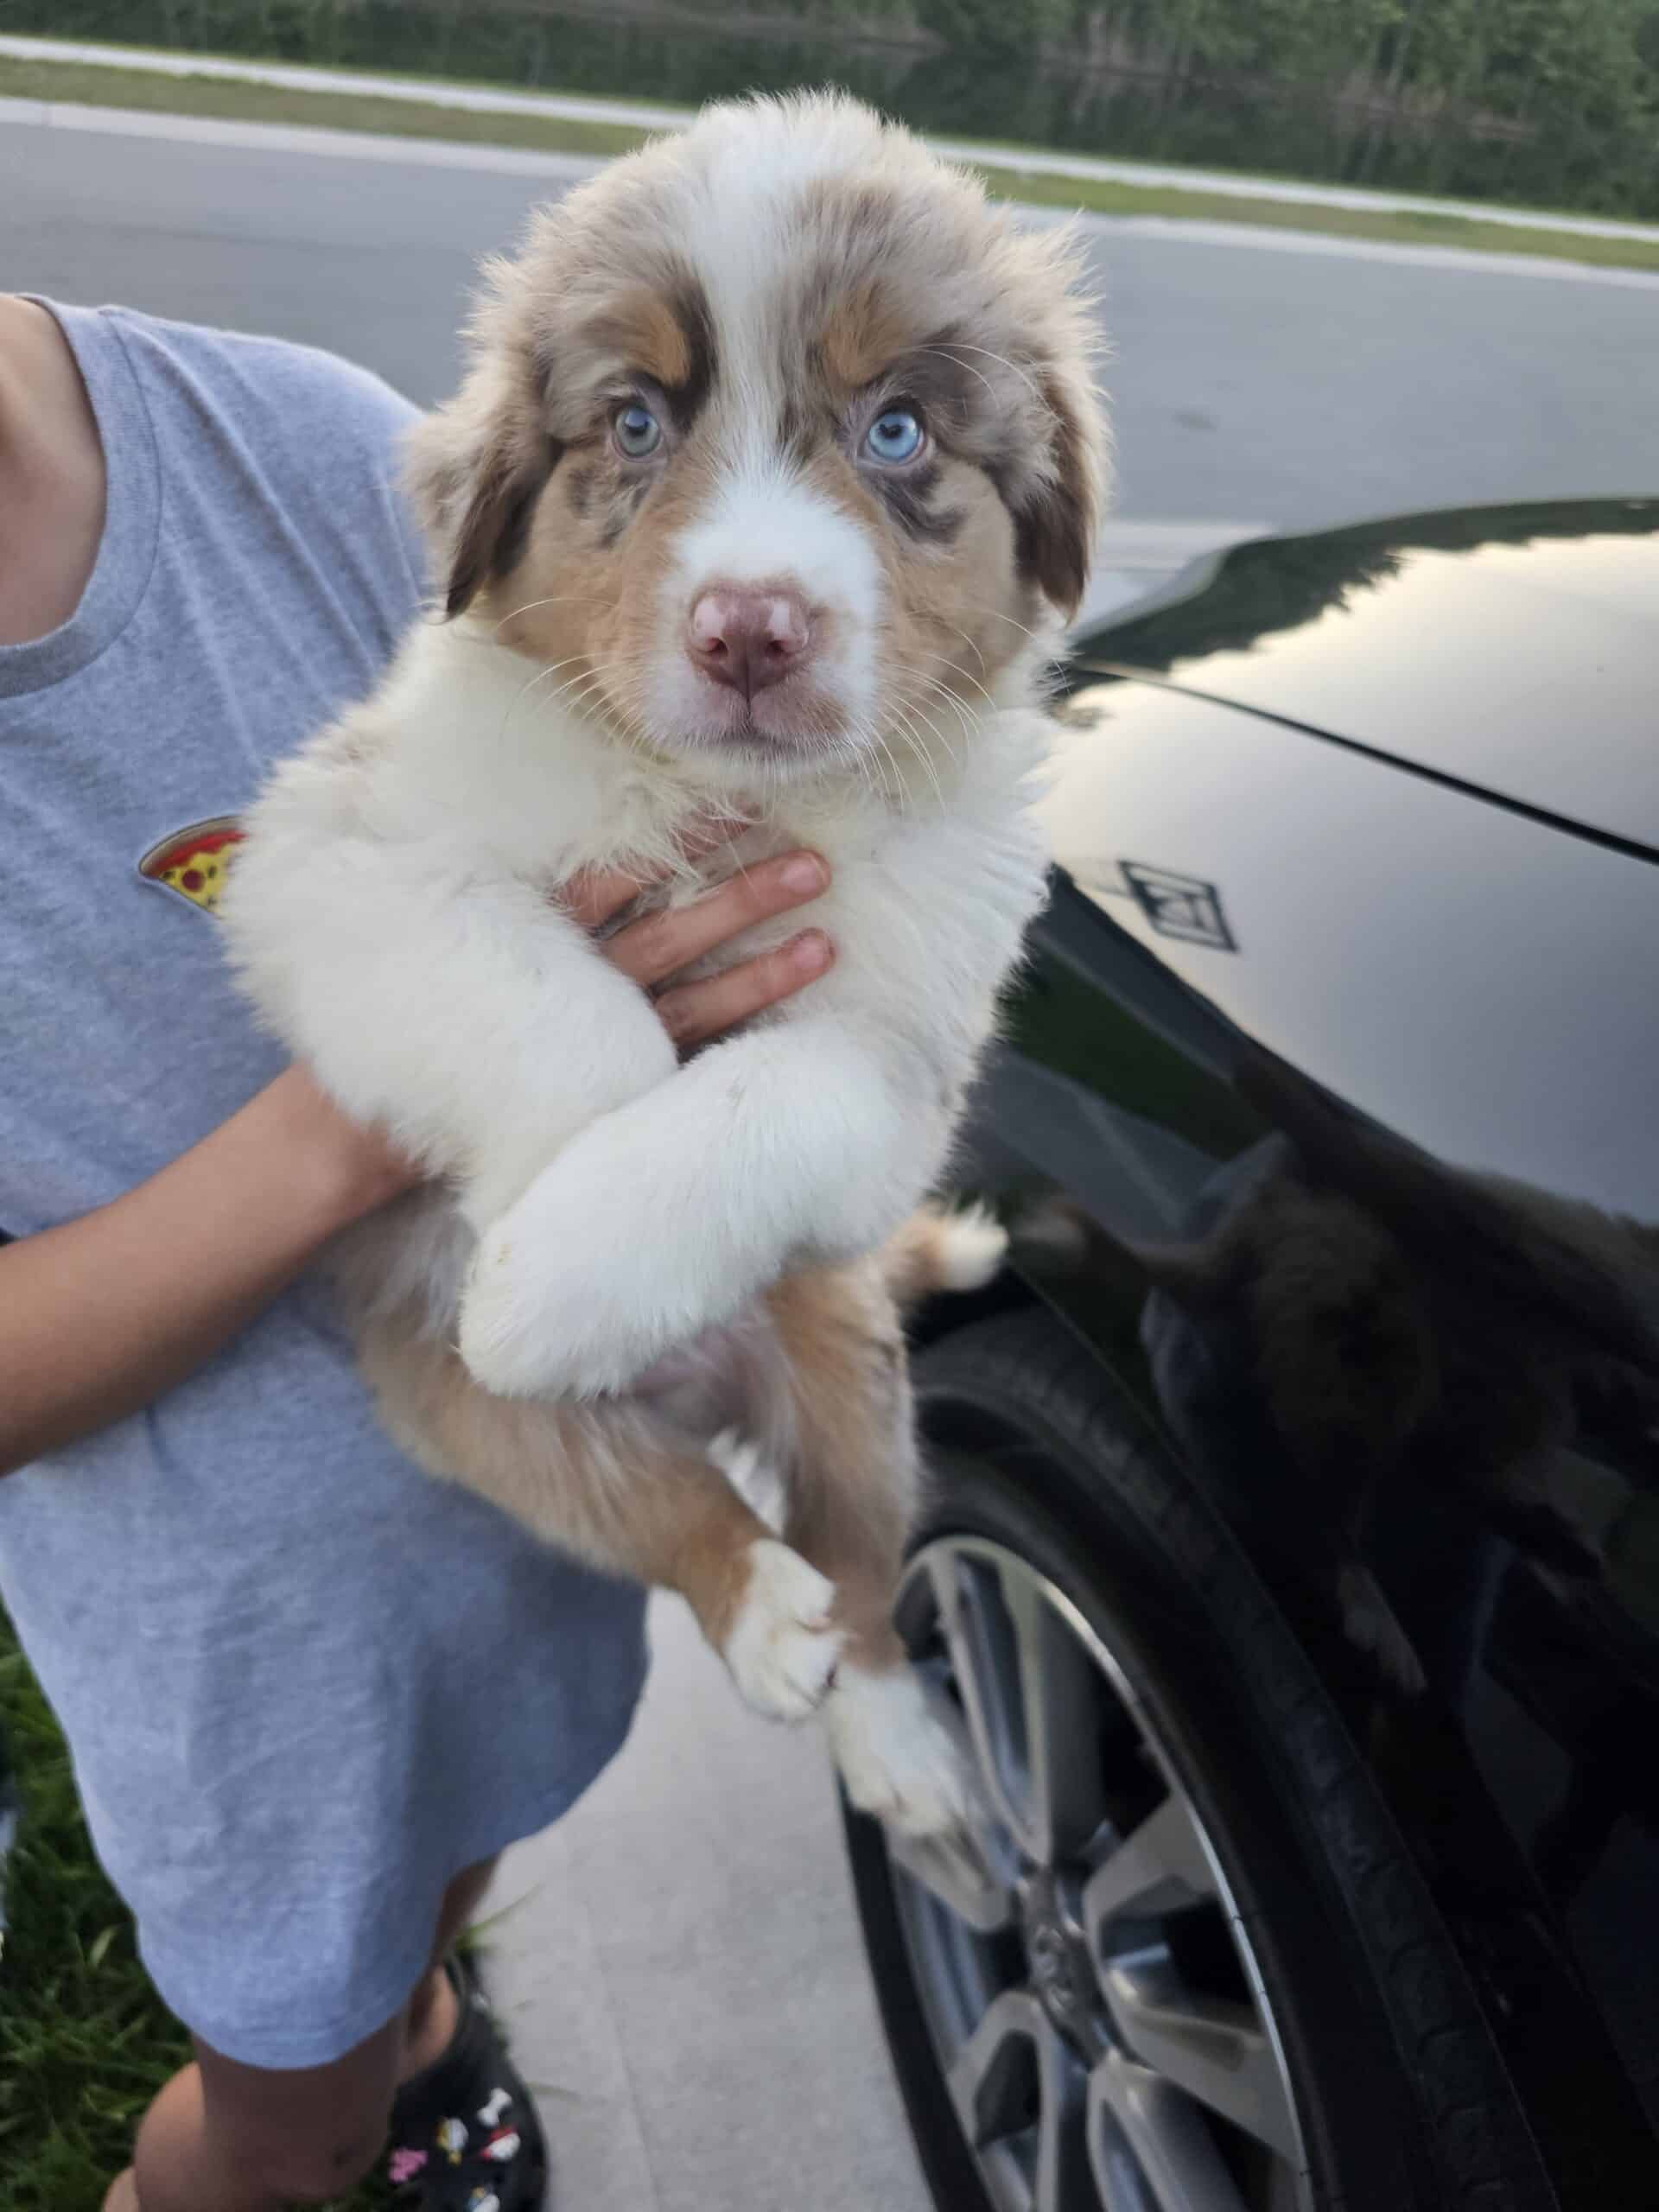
x: 1526, y: 61
x: 1577, y: 79
x: 1551, y: 101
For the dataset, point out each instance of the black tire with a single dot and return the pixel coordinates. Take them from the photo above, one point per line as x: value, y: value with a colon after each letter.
x: 1403, y: 2100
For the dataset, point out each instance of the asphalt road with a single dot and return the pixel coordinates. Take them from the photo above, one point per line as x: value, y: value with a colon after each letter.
x: 1253, y: 380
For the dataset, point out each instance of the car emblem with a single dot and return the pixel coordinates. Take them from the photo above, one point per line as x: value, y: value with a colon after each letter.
x: 1183, y: 906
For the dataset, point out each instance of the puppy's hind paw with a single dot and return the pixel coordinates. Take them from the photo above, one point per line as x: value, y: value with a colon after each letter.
x: 937, y: 1251
x: 897, y: 1759
x: 973, y: 1245
x: 782, y: 1647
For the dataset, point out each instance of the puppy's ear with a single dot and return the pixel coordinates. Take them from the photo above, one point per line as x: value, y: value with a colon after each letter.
x: 1057, y: 521
x: 475, y: 467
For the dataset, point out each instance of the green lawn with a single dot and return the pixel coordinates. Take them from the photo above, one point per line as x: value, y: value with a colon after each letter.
x: 84, y: 2043
x: 243, y: 103
x: 1427, y: 227
x: 211, y: 96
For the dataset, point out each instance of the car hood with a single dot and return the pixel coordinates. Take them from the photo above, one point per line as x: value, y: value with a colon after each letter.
x: 1470, y: 978
x: 1508, y: 649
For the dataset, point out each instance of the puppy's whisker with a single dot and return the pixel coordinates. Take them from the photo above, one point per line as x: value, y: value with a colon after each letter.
x: 920, y: 753
x: 609, y: 670
x: 917, y: 745
x: 924, y: 751
x: 951, y: 753
x: 578, y: 693
x: 996, y: 614
x: 915, y: 705
x: 558, y: 599
x: 869, y: 735
x: 591, y: 698
x: 937, y: 688
x: 552, y: 668
x: 631, y: 676
x: 586, y: 672
x: 958, y: 628
x: 899, y: 788
x: 893, y: 792
x: 954, y: 700
x: 967, y: 675
x: 965, y: 714
x: 540, y: 677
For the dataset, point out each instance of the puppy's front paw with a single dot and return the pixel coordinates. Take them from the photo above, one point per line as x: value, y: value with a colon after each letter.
x: 897, y: 1759
x: 602, y: 1266
x: 781, y: 1647
x: 549, y: 1312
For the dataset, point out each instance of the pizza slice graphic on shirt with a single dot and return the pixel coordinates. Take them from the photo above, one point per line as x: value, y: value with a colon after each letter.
x: 194, y: 862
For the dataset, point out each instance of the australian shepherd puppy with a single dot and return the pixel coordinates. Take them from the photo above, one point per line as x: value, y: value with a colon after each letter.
x: 776, y: 458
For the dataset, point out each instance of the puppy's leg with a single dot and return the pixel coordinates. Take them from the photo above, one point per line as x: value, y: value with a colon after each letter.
x: 602, y: 1483
x: 853, y: 1491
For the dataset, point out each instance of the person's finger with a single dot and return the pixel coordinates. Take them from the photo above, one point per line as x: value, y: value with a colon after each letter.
x: 594, y: 895
x: 660, y: 944
x: 693, y: 1012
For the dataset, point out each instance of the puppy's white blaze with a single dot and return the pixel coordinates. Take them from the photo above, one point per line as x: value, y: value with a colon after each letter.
x: 751, y: 192
x: 764, y: 526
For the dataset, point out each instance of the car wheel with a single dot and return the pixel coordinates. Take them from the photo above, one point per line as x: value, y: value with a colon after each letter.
x: 1184, y: 1966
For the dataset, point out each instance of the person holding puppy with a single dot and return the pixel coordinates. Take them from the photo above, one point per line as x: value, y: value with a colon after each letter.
x: 311, y: 1694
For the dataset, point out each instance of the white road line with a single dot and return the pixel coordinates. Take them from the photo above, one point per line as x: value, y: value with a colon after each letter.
x: 294, y: 138
x: 1459, y: 260
x: 442, y: 153
x: 1030, y: 161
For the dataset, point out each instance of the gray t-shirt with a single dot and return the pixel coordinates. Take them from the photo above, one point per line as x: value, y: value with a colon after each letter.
x: 303, y: 1684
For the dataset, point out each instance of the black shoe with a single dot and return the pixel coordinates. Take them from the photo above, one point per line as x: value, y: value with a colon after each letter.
x: 464, y: 2130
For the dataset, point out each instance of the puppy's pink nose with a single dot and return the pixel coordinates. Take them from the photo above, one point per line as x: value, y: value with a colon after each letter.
x: 748, y: 638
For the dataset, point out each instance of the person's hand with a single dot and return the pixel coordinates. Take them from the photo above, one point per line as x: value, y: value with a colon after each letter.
x: 364, y: 1170
x: 660, y: 944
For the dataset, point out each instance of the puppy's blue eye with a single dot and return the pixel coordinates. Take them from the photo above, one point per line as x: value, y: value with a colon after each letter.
x: 637, y: 431
x: 895, y: 434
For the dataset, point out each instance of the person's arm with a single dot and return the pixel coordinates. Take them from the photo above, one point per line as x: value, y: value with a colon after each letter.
x: 99, y: 1317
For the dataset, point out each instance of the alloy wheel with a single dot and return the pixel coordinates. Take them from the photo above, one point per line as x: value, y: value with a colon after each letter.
x: 1088, y: 1983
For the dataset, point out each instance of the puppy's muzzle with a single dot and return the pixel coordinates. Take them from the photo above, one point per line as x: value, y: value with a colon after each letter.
x: 748, y: 638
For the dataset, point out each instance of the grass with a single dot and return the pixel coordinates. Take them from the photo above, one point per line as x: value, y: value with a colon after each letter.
x: 85, y: 2042
x: 97, y: 84
x: 1405, y: 227
x: 93, y: 84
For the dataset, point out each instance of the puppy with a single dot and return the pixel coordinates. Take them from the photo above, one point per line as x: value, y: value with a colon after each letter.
x: 777, y: 456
